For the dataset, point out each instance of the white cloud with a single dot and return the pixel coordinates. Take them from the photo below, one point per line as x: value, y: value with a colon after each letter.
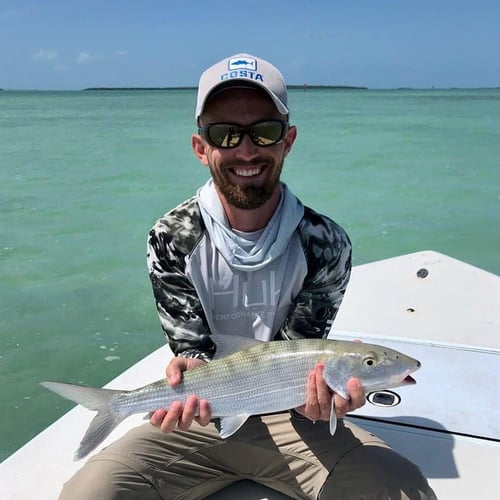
x: 84, y: 57
x: 46, y: 55
x: 122, y: 53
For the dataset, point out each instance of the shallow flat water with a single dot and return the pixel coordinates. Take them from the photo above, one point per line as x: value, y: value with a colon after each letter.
x: 83, y: 176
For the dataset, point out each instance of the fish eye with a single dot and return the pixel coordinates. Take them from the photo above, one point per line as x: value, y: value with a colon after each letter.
x: 369, y: 360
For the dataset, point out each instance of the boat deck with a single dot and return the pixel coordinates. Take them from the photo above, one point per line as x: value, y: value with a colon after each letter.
x: 441, y: 310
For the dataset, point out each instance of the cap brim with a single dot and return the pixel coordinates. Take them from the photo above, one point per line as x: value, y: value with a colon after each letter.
x: 241, y: 83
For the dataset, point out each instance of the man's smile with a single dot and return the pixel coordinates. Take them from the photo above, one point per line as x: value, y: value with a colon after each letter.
x: 246, y: 171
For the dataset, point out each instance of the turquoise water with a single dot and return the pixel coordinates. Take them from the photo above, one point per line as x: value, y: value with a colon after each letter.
x: 83, y: 176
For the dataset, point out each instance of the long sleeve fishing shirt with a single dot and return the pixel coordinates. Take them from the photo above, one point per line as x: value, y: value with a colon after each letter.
x: 283, y: 282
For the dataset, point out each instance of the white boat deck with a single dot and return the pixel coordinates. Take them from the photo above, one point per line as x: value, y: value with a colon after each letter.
x: 448, y: 423
x: 456, y: 303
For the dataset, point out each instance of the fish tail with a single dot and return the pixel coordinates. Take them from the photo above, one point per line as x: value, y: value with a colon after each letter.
x: 99, y: 400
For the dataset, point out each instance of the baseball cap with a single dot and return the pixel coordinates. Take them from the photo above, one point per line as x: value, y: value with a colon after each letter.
x: 242, y: 70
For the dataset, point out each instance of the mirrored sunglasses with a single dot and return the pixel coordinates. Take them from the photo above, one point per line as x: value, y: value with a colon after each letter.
x: 229, y: 135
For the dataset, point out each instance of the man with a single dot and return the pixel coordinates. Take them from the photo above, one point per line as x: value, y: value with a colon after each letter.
x: 245, y: 257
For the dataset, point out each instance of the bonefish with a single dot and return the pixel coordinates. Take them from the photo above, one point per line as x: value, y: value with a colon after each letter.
x: 264, y: 377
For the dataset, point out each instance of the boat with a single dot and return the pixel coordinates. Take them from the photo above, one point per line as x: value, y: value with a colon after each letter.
x: 428, y: 305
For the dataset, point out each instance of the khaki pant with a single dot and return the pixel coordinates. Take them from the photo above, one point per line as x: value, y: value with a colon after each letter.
x: 295, y: 457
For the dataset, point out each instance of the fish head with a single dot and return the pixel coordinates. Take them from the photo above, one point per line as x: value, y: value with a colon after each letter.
x: 376, y: 367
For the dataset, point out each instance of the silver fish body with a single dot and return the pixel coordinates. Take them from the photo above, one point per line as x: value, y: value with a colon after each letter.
x: 265, y: 378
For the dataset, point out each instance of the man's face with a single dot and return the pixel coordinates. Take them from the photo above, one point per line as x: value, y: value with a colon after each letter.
x: 246, y: 175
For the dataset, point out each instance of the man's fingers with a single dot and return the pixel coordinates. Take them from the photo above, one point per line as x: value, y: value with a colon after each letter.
x: 174, y: 370
x: 312, y: 410
x: 182, y: 415
x: 323, y: 393
x: 205, y: 413
x: 318, y: 404
x: 341, y: 406
x: 170, y: 417
x: 188, y: 413
x: 177, y: 366
x: 357, y: 393
x: 356, y: 398
x: 318, y: 396
x: 157, y: 416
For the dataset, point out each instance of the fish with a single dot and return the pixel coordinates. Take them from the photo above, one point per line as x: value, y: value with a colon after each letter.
x: 242, y: 62
x: 247, y: 377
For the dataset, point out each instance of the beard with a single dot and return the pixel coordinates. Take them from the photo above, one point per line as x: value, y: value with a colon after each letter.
x: 251, y: 195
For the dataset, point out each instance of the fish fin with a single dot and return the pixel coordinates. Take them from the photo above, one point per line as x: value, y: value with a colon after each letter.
x: 99, y: 400
x: 229, y: 425
x: 333, y: 417
x: 341, y: 392
x: 227, y: 344
x: 99, y: 429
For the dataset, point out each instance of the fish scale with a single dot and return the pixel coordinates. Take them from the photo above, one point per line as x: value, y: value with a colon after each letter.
x: 242, y: 385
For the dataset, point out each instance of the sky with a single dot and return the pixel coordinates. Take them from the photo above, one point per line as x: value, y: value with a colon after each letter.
x: 73, y: 44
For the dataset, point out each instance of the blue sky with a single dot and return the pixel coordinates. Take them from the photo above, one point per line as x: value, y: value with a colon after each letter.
x: 73, y: 44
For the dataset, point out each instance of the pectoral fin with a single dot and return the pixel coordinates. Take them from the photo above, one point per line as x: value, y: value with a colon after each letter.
x: 229, y: 425
x: 333, y: 417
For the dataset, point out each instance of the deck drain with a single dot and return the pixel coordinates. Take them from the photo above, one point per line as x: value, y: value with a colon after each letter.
x: 384, y: 398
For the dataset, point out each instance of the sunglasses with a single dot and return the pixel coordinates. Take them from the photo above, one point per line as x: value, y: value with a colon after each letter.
x: 229, y: 135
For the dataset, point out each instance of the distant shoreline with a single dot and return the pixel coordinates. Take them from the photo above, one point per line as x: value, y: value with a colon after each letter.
x: 299, y: 87
x: 290, y: 87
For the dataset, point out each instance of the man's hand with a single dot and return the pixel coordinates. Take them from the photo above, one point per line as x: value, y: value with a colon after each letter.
x: 178, y: 414
x: 319, y: 396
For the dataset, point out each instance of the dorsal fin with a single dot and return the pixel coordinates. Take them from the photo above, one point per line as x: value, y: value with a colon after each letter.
x: 229, y: 344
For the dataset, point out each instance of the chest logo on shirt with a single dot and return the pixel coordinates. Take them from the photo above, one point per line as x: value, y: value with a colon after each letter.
x: 239, y: 295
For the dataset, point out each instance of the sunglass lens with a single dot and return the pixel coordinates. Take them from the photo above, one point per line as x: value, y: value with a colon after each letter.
x: 224, y: 135
x: 267, y: 133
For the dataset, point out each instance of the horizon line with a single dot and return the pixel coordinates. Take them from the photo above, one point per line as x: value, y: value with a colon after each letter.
x: 304, y: 87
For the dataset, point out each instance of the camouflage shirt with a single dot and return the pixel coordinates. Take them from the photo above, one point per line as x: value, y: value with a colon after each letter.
x: 183, y: 267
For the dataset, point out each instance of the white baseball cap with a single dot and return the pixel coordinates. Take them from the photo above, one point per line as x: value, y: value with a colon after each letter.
x: 242, y: 70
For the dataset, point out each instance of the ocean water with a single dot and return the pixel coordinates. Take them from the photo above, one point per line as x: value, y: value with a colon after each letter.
x: 84, y: 175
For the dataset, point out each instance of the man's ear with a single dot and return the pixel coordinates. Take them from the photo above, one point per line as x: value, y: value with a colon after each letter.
x: 290, y: 137
x: 200, y: 149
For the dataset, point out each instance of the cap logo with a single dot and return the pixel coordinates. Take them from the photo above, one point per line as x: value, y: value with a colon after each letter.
x: 242, y: 63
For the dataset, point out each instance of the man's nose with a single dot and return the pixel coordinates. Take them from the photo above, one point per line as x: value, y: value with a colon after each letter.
x: 247, y: 148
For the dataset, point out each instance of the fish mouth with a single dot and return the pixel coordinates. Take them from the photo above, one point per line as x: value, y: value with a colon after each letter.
x: 408, y: 379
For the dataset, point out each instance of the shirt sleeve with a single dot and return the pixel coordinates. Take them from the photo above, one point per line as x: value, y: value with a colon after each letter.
x: 179, y: 308
x: 328, y: 254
